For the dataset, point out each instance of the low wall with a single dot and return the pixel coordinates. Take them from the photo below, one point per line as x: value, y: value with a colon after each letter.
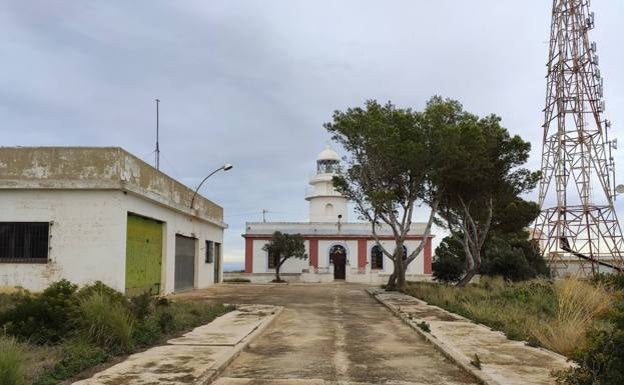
x: 325, y: 276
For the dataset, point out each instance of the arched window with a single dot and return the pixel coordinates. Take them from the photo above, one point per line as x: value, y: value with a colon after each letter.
x: 376, y: 258
x: 271, y: 263
x: 337, y: 252
x: 329, y: 210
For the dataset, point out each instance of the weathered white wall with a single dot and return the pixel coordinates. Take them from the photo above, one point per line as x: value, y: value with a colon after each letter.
x: 88, y: 240
x: 85, y: 245
x: 416, y: 267
x: 176, y: 223
x: 261, y: 262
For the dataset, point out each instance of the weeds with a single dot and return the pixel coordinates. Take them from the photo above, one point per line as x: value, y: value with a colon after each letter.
x: 108, y: 324
x: 476, y: 361
x: 64, y: 331
x: 11, y: 362
x: 424, y: 326
x: 554, y: 315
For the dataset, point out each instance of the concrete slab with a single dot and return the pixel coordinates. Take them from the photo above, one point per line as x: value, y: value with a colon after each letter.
x: 331, y: 334
x: 503, y: 362
x: 227, y: 330
x: 196, y: 358
x: 299, y: 381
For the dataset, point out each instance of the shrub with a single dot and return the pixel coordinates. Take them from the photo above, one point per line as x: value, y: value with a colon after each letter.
x: 99, y: 287
x: 11, y: 361
x: 78, y: 355
x: 42, y: 318
x: 578, y: 304
x: 142, y: 305
x: 106, y: 323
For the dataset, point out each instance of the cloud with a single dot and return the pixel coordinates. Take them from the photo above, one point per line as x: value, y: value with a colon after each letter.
x: 252, y: 82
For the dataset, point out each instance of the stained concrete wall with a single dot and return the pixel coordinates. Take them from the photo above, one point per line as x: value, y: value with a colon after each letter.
x: 97, y: 168
x: 88, y: 237
x: 85, y: 244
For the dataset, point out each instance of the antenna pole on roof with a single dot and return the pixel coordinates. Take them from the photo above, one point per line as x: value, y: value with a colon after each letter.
x: 157, y: 151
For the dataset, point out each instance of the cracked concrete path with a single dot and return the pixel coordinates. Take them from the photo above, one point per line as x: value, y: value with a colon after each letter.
x: 197, y: 357
x: 330, y: 334
x: 503, y: 361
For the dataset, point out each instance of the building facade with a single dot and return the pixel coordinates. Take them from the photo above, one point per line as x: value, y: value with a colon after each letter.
x: 337, y: 249
x: 101, y: 214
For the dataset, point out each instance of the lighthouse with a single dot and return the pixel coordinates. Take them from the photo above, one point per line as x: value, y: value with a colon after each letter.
x: 337, y: 249
x: 326, y: 204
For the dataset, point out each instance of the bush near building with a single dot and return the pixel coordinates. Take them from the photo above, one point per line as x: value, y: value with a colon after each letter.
x: 54, y: 335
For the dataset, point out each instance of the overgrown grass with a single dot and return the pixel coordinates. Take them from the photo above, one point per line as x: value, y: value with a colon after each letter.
x: 555, y: 315
x: 54, y: 335
x: 11, y: 362
x: 107, y: 324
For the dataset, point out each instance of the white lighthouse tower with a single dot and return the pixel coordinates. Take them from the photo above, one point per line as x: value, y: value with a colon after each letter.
x: 326, y: 204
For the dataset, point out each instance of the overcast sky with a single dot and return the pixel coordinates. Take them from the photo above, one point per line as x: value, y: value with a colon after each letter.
x: 252, y: 82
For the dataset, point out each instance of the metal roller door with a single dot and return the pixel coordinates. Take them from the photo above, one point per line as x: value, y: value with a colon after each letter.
x: 184, y: 263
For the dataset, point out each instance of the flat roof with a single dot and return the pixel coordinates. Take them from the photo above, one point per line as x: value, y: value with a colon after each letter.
x: 256, y: 229
x: 99, y: 168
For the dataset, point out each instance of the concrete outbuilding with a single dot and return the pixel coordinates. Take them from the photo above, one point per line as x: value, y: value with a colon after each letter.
x: 87, y: 214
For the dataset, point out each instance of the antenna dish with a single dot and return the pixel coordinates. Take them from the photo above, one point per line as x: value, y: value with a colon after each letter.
x: 619, y: 189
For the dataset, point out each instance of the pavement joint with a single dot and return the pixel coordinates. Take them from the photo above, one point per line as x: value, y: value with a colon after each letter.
x: 506, y: 362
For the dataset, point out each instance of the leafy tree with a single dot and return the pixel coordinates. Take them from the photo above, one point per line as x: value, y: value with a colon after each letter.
x: 476, y: 170
x: 448, y: 265
x: 386, y: 174
x: 283, y: 247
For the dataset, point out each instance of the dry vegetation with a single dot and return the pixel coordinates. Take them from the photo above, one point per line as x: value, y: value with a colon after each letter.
x: 556, y: 315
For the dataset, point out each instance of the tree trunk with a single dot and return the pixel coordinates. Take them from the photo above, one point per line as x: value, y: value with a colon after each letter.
x: 472, y: 270
x: 391, y: 285
x: 277, y: 277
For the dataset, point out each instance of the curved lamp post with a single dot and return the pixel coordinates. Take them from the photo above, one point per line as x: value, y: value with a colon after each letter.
x: 225, y: 167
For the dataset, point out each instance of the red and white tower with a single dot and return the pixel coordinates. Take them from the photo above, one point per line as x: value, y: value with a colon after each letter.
x: 578, y: 220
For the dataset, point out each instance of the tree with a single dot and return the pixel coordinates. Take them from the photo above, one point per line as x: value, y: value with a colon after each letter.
x: 476, y: 171
x: 283, y: 247
x: 386, y: 175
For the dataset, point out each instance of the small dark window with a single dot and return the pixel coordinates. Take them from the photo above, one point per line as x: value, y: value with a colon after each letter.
x: 210, y: 251
x: 24, y: 242
x: 217, y: 251
x: 376, y: 258
x: 271, y: 260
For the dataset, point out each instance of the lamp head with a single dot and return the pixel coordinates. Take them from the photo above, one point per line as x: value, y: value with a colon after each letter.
x: 227, y: 167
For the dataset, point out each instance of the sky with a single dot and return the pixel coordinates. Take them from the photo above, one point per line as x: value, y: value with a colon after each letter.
x: 252, y: 82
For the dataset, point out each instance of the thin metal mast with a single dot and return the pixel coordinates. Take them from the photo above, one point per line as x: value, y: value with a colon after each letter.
x: 157, y: 151
x: 578, y: 222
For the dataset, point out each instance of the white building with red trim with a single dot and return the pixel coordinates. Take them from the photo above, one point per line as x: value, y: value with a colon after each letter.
x: 337, y: 249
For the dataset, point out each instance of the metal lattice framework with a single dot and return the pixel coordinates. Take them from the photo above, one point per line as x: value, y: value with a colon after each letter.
x: 578, y: 221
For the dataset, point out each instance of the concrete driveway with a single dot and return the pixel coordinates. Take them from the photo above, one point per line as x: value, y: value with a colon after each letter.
x: 327, y: 334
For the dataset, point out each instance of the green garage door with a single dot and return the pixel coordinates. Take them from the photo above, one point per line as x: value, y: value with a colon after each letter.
x: 143, y: 255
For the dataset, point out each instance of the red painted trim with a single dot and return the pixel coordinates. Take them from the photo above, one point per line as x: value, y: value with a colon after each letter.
x: 248, y: 255
x: 314, y: 252
x: 362, y: 253
x: 334, y: 237
x: 428, y: 256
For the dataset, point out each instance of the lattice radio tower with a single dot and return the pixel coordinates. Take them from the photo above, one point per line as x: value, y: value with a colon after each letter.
x: 578, y: 222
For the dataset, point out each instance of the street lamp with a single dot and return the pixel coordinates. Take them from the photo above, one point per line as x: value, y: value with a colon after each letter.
x: 225, y: 167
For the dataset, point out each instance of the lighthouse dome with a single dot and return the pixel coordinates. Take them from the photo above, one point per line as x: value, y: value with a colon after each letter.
x: 328, y: 154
